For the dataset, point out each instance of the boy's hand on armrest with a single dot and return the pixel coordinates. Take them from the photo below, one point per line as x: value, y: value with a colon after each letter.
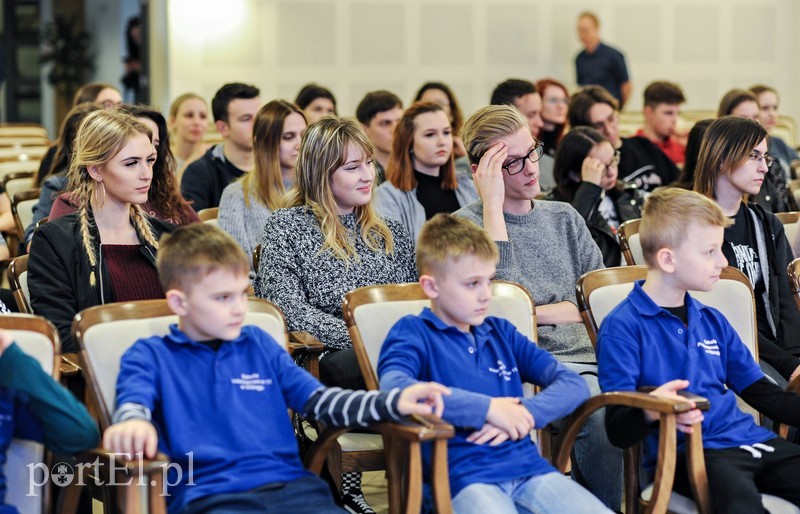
x: 685, y: 420
x: 488, y: 434
x: 509, y: 415
x: 557, y: 313
x: 5, y: 341
x: 131, y: 437
x: 422, y: 398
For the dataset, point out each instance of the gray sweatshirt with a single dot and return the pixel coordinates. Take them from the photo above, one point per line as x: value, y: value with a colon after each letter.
x: 547, y: 250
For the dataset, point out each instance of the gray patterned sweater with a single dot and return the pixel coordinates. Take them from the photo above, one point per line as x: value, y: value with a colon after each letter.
x: 308, y: 286
x: 547, y: 250
x: 243, y: 223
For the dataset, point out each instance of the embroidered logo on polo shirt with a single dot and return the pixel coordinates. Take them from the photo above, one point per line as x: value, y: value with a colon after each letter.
x: 710, y: 346
x: 251, y: 382
x: 502, y: 371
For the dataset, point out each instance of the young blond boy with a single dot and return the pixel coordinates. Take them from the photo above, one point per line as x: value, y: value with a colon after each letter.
x: 660, y: 336
x: 494, y: 466
x: 218, y: 392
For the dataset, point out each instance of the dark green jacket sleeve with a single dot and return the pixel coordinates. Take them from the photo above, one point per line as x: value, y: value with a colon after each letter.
x: 66, y: 424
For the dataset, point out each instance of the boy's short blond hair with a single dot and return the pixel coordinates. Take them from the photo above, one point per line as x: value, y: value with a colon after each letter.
x: 190, y: 253
x: 666, y: 217
x: 446, y: 238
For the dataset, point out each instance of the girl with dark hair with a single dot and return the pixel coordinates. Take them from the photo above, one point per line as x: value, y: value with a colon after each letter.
x: 586, y: 173
x: 421, y: 178
x: 316, y: 102
x: 731, y: 169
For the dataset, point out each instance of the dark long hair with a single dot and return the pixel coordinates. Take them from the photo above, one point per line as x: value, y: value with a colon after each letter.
x: 164, y: 193
x: 572, y: 151
x: 686, y: 179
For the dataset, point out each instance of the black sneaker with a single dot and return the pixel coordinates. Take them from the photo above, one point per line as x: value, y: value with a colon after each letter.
x: 355, y: 503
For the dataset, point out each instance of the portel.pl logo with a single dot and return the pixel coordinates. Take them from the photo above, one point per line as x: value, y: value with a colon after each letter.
x: 64, y: 474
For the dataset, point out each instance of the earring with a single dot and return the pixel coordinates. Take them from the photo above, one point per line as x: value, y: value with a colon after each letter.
x: 97, y: 187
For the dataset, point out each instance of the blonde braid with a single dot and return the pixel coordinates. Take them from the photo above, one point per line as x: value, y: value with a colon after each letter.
x: 143, y: 226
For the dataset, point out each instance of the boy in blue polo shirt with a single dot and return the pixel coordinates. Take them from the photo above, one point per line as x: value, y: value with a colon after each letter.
x: 660, y: 336
x: 494, y: 465
x: 213, y: 395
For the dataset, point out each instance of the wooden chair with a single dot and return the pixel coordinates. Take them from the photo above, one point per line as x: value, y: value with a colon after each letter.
x: 598, y: 293
x: 789, y: 221
x: 22, y: 130
x: 629, y: 242
x: 22, y: 208
x: 31, y: 165
x: 103, y: 333
x: 38, y: 338
x: 27, y: 153
x: 208, y: 215
x: 17, y: 181
x: 256, y: 257
x: 370, y: 312
x: 18, y: 280
x: 22, y: 141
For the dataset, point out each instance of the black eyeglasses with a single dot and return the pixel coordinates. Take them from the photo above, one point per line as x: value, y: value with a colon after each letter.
x: 517, y: 165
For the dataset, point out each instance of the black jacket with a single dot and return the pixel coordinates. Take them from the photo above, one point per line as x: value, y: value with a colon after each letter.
x: 644, y: 164
x: 204, y: 180
x: 59, y: 272
x: 628, y: 200
x: 784, y: 313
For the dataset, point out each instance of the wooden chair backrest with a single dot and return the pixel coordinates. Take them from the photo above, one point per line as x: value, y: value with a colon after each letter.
x: 629, y: 242
x: 103, y: 334
x: 18, y: 280
x: 22, y: 204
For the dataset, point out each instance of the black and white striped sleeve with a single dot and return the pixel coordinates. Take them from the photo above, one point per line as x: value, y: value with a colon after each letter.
x: 341, y: 407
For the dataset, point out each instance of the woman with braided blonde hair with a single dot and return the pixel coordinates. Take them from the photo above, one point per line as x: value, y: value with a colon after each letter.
x: 104, y: 251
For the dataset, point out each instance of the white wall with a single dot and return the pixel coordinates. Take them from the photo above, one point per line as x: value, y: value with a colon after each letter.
x: 353, y: 46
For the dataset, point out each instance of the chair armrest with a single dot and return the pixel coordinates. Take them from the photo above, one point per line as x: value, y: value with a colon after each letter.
x: 664, y: 406
x: 426, y: 428
x: 70, y: 365
x: 99, y: 465
x: 299, y: 340
x: 305, y: 343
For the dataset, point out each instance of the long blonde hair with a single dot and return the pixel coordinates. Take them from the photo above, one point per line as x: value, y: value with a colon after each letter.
x: 322, y: 151
x: 265, y: 182
x: 101, y: 136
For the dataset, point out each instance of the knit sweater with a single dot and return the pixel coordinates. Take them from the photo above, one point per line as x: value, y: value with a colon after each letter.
x: 547, y: 250
x: 244, y: 223
x: 309, y: 285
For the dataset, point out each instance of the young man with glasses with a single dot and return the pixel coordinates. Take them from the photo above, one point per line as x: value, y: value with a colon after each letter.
x: 641, y: 162
x: 524, y: 96
x: 546, y: 247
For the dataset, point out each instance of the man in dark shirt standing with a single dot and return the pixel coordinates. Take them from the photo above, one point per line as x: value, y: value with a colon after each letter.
x: 234, y: 107
x: 600, y: 64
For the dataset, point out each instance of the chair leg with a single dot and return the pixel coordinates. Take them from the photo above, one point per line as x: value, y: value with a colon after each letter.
x: 334, y: 464
x: 395, y: 473
x: 696, y: 464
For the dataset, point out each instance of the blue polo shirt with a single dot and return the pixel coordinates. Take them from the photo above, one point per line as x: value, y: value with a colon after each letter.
x: 641, y: 344
x: 493, y: 361
x: 222, y: 414
x: 603, y: 67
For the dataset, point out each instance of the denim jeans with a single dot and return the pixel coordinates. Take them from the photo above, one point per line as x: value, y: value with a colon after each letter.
x: 551, y: 493
x: 307, y: 495
x: 596, y: 463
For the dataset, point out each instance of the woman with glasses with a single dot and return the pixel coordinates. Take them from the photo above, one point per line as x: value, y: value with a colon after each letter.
x: 586, y: 174
x: 731, y: 169
x: 555, y: 101
x: 421, y: 179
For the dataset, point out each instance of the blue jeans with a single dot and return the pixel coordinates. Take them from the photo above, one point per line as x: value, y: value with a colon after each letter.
x: 551, y: 493
x: 307, y: 495
x: 596, y: 463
